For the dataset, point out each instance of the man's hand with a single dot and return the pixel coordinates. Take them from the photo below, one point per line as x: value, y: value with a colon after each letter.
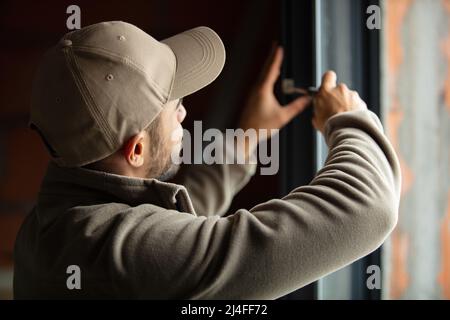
x: 263, y: 111
x: 332, y: 99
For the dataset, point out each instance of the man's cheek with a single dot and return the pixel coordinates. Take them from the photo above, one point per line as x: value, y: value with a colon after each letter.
x: 176, y: 135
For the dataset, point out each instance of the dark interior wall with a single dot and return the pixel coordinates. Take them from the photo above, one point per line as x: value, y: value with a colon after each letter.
x: 28, y: 28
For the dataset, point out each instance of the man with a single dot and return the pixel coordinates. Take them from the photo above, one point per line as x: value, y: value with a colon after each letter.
x: 107, y: 100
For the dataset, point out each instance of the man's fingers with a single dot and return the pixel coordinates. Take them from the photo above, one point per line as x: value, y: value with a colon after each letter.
x: 294, y: 108
x: 329, y: 80
x: 267, y: 63
x: 272, y: 70
x: 269, y: 58
x: 342, y: 87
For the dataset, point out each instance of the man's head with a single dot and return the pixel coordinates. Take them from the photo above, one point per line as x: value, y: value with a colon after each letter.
x: 148, y: 154
x: 106, y: 96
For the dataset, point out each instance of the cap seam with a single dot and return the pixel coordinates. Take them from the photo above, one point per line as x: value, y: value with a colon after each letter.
x: 87, y: 97
x: 205, y: 57
x: 160, y: 106
x: 208, y: 58
x: 204, y: 67
x: 173, y: 73
x: 125, y: 59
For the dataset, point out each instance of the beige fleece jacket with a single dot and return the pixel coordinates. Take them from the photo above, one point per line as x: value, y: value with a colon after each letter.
x: 129, y: 240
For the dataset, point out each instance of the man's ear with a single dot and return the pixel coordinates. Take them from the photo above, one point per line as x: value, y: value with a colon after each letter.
x: 134, y: 150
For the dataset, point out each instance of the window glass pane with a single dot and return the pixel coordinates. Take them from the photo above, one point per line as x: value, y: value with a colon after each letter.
x: 339, y: 27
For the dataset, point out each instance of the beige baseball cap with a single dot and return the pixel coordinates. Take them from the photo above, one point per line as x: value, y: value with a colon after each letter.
x: 104, y: 83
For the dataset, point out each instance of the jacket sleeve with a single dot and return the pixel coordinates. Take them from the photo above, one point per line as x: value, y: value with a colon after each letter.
x: 212, y: 187
x: 276, y: 247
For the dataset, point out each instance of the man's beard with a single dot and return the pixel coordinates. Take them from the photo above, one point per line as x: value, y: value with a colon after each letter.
x: 170, y: 169
x: 161, y: 166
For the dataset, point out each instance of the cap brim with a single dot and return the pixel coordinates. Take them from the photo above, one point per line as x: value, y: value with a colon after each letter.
x: 200, y: 56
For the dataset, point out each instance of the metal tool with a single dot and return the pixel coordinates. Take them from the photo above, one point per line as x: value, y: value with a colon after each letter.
x: 289, y: 88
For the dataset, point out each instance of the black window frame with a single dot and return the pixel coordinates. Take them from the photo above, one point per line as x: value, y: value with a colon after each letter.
x: 299, y: 149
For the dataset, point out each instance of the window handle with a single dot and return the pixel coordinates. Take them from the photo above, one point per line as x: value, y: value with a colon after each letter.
x: 288, y: 87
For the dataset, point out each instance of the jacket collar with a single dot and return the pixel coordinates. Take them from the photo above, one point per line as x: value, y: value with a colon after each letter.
x: 90, y: 186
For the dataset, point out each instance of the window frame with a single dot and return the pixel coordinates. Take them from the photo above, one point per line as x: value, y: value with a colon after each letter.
x: 301, y: 145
